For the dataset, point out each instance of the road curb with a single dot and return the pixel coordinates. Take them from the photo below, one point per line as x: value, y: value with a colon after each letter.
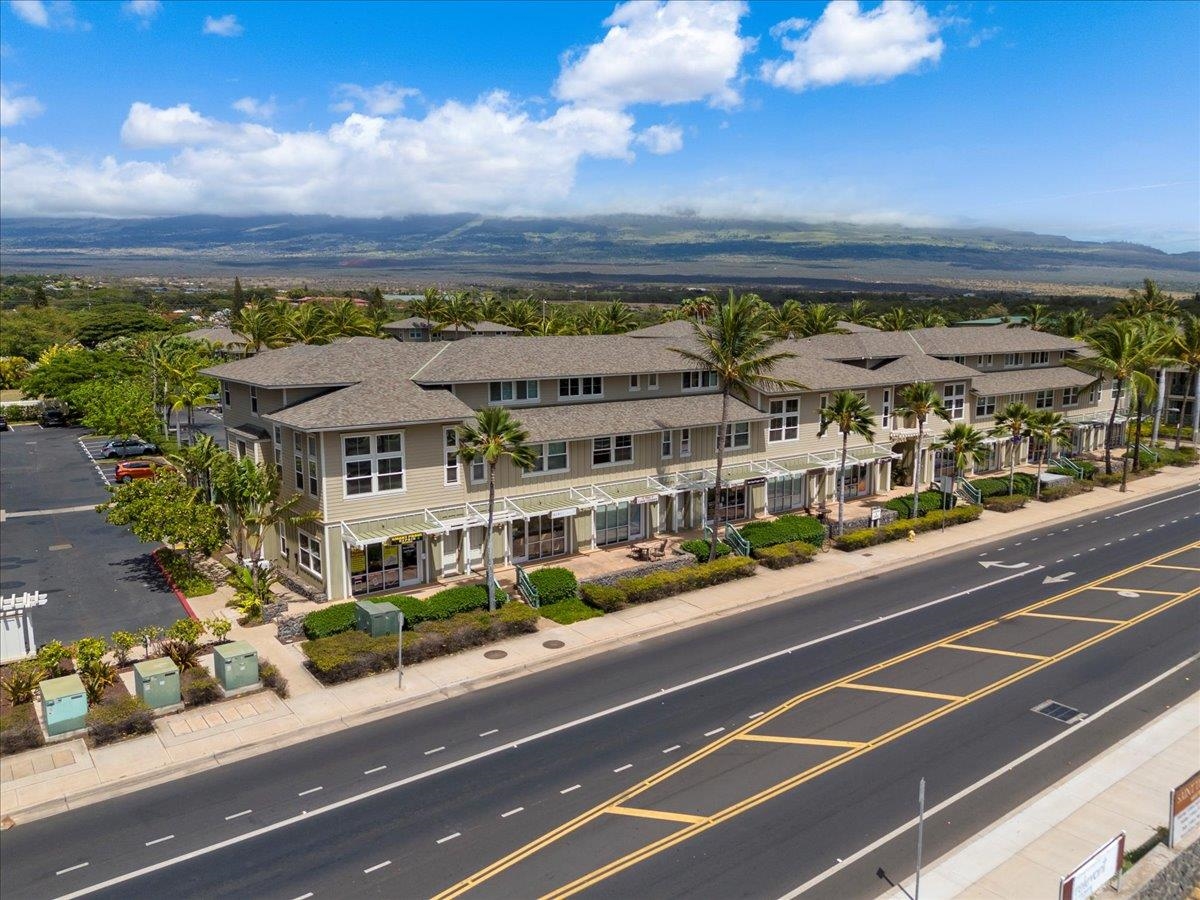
x: 179, y: 595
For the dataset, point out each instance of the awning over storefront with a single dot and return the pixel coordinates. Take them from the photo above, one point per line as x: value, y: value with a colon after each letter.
x: 400, y: 529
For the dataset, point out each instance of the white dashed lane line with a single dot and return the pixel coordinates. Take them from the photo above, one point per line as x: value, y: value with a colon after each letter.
x: 303, y: 896
x: 378, y: 866
x: 486, y: 733
x: 159, y: 840
x: 244, y: 812
x: 622, y: 768
x: 311, y: 791
x: 512, y: 812
x: 573, y: 787
x: 714, y: 731
x: 672, y: 748
x: 449, y: 837
x: 71, y: 868
x: 434, y: 750
x: 374, y: 770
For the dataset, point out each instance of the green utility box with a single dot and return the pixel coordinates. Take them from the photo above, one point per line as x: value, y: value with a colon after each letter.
x: 236, y: 665
x: 157, y: 682
x: 64, y: 704
x: 376, y: 619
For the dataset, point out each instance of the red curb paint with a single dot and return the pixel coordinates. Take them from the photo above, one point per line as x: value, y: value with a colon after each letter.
x: 183, y: 601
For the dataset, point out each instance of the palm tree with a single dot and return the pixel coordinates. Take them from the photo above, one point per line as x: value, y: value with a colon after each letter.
x: 895, y: 319
x: 1118, y: 356
x: 1149, y: 301
x: 458, y: 314
x: 697, y: 308
x: 1052, y: 430
x: 786, y: 319
x: 259, y: 325
x: 494, y: 435
x: 1185, y: 349
x: 735, y: 343
x: 308, y: 323
x: 817, y: 318
x: 1156, y: 340
x: 851, y: 414
x: 1074, y: 324
x: 427, y: 307
x: 523, y: 314
x: 920, y: 400
x: 857, y: 312
x: 346, y: 319
x: 490, y: 308
x: 187, y: 396
x: 249, y: 491
x: 929, y: 318
x: 1037, y: 317
x: 618, y: 317
x: 967, y: 444
x: 197, y: 462
x: 1013, y: 422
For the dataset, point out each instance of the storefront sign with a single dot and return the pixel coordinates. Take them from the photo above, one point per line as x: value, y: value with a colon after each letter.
x: 751, y: 482
x: 402, y: 539
x: 1099, y: 868
x: 1185, y: 810
x: 564, y: 513
x: 646, y: 498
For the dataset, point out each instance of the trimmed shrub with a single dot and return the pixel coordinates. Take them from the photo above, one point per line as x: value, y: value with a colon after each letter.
x: 698, y: 547
x: 19, y: 730
x: 329, y: 621
x: 894, y: 531
x: 647, y: 588
x: 857, y: 540
x: 1184, y: 456
x: 351, y: 654
x: 1104, y: 479
x: 108, y: 722
x: 603, y: 597
x: 927, y: 501
x: 565, y: 612
x: 198, y: 688
x: 185, y: 576
x: 781, y: 556
x: 1053, y: 492
x: 273, y: 678
x: 555, y: 585
x: 784, y: 530
x: 1089, y: 470
x: 994, y: 486
x: 443, y: 604
x: 1005, y: 503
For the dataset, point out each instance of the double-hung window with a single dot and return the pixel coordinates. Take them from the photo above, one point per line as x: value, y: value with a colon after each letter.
x: 821, y: 406
x: 1043, y: 399
x: 737, y: 435
x: 1011, y: 360
x: 310, y: 552
x: 525, y: 391
x: 652, y: 381
x: 373, y: 463
x: 885, y: 417
x: 1041, y: 358
x: 1115, y: 386
x: 253, y: 399
x: 611, y: 450
x: 685, y: 443
x: 954, y: 398
x: 551, y: 457
x: 450, y: 443
x: 298, y: 459
x: 1070, y: 396
x: 225, y: 391
x: 314, y: 465
x: 986, y: 359
x: 587, y: 386
x: 478, y: 470
x: 785, y: 420
x: 277, y: 440
x: 985, y: 406
x: 635, y: 383
x: 281, y: 532
x: 698, y: 381
x: 666, y: 445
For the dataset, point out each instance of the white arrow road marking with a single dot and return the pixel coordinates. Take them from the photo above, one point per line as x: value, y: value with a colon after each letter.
x: 1057, y: 579
x: 989, y: 563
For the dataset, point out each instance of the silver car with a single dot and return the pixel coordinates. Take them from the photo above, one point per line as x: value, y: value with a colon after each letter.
x: 128, y: 447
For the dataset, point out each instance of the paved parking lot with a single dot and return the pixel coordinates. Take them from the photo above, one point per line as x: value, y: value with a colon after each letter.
x: 99, y: 578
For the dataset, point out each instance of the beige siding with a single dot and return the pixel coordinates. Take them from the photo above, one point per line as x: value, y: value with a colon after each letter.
x: 616, y: 387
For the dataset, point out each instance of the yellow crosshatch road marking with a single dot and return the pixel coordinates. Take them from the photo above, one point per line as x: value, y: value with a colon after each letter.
x: 701, y: 824
x: 808, y: 742
x: 1123, y: 590
x: 1042, y: 615
x: 1015, y: 653
x: 882, y: 689
x: 655, y: 814
x: 1178, y: 568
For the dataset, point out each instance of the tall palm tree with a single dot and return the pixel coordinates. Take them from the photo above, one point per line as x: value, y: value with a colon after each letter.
x: 618, y: 317
x: 197, y: 462
x: 736, y: 343
x: 1074, y: 324
x: 697, y: 308
x: 817, y: 318
x: 490, y: 307
x: 786, y: 319
x: 428, y: 307
x: 346, y: 319
x: 969, y: 447
x: 458, y: 314
x: 1052, y: 430
x: 249, y: 491
x: 1013, y: 422
x: 1149, y: 301
x: 1156, y: 340
x: 857, y: 312
x: 895, y: 319
x: 1037, y: 317
x: 186, y: 397
x: 1186, y: 351
x: 308, y: 323
x: 259, y: 325
x: 493, y: 436
x: 928, y: 317
x: 1119, y: 357
x: 850, y: 414
x: 920, y: 400
x: 523, y: 314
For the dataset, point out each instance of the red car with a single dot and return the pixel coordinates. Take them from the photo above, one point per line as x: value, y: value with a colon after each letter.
x: 127, y: 471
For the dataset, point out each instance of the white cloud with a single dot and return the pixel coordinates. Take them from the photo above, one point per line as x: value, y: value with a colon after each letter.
x: 255, y: 108
x: 661, y: 139
x: 490, y: 155
x: 32, y: 11
x: 378, y: 100
x: 223, y: 26
x: 143, y: 10
x: 679, y: 51
x: 56, y: 14
x: 14, y: 109
x: 984, y: 34
x: 848, y: 45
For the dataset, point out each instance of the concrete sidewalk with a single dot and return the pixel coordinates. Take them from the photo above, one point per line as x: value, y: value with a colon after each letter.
x: 1126, y: 788
x: 50, y: 780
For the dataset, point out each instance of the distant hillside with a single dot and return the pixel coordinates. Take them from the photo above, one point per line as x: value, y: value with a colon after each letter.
x: 598, y: 248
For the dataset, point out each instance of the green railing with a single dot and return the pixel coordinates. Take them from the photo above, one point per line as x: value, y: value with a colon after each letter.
x: 1063, y: 462
x: 528, y: 591
x: 734, y: 539
x: 501, y: 594
x: 969, y: 492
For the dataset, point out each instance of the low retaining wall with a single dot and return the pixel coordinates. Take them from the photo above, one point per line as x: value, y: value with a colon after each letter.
x: 669, y: 564
x: 886, y: 516
x: 1177, y: 880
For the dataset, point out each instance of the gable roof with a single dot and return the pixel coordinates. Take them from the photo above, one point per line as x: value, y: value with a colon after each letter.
x: 584, y: 420
x: 385, y: 400
x: 1019, y: 381
x: 988, y: 339
x: 342, y: 362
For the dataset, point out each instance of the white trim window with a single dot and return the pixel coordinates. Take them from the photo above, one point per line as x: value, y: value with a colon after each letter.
x: 298, y: 459
x: 253, y: 399
x: 699, y: 381
x: 985, y: 406
x: 685, y: 443
x: 314, y: 465
x: 373, y: 463
x: 551, y: 457
x: 281, y: 534
x: 277, y: 441
x: 961, y: 360
x: 450, y: 474
x: 225, y: 392
x: 1070, y: 396
x: 1012, y: 360
x: 1043, y: 399
x: 503, y: 392
x: 986, y: 359
x: 1040, y: 358
x: 954, y: 398
x: 1115, y: 388
x: 612, y: 450
x: 635, y: 383
x: 478, y: 470
x: 587, y: 386
x: 824, y: 402
x: 885, y: 413
x: 737, y: 435
x: 309, y: 555
x: 665, y: 453
x: 785, y: 421
x: 652, y: 381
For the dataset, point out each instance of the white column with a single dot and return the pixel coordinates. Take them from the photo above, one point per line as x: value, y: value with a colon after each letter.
x: 1159, y: 403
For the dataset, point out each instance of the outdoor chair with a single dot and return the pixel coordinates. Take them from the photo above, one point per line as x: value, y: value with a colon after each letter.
x: 661, y: 550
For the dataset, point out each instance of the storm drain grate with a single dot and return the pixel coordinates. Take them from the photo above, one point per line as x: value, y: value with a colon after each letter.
x: 1060, y: 711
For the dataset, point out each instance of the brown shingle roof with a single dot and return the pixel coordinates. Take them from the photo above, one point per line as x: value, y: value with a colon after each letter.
x: 484, y: 327
x: 988, y: 339
x: 220, y: 334
x: 383, y: 400
x: 345, y: 361
x: 1019, y: 381
x: 583, y: 420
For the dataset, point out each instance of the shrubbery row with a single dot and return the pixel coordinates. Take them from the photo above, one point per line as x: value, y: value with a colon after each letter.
x: 340, y: 616
x: 781, y: 556
x: 699, y: 549
x: 554, y: 585
x: 784, y: 530
x: 109, y: 722
x: 655, y: 586
x: 868, y: 537
x: 927, y: 501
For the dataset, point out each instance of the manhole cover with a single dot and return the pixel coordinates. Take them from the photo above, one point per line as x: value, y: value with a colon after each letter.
x: 553, y: 645
x: 1059, y: 711
x: 495, y: 654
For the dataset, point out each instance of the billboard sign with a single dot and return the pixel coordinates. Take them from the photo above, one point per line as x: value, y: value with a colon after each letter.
x: 1095, y: 872
x: 1185, y: 810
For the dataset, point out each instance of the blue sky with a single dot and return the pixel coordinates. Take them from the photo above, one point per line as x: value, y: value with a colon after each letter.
x: 1072, y: 118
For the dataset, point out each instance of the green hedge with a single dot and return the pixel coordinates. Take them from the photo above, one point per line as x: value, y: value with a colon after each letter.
x: 994, y: 486
x: 351, y: 654
x: 340, y: 616
x: 331, y: 620
x: 1005, y: 503
x: 198, y: 688
x: 1184, y: 456
x: 112, y: 721
x: 699, y: 549
x: 565, y: 612
x: 184, y: 574
x: 655, y: 586
x: 781, y: 556
x: 1088, y: 470
x: 784, y: 530
x: 555, y: 585
x: 20, y: 413
x: 1052, y: 492
x: 603, y: 597
x: 19, y: 730
x: 927, y: 501
x: 894, y: 531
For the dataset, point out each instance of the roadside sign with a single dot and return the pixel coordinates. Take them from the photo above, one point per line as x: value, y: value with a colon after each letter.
x: 876, y: 515
x: 751, y: 482
x: 1185, y: 810
x: 1095, y: 872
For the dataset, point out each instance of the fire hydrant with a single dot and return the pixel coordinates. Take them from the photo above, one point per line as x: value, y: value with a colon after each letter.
x: 912, y: 535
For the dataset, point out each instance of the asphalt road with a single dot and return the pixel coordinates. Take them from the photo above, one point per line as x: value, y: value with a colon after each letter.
x: 98, y: 578
x: 409, y: 805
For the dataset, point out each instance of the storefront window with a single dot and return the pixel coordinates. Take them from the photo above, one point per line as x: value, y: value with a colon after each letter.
x: 618, y: 522
x: 733, y: 503
x: 539, y: 537
x: 785, y: 493
x: 385, y: 566
x: 854, y: 481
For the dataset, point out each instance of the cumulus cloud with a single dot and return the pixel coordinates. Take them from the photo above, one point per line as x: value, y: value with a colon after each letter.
x: 223, y: 26
x: 678, y: 51
x: 255, y: 108
x: 32, y: 11
x: 57, y: 14
x: 661, y: 139
x: 16, y: 109
x: 848, y: 45
x: 378, y: 100
x: 490, y: 155
x: 142, y: 10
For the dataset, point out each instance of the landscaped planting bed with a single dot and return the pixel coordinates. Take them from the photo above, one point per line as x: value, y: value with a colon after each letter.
x: 1005, y: 502
x: 554, y: 585
x: 19, y: 729
x: 995, y: 485
x: 927, y: 501
x: 699, y: 548
x: 781, y: 556
x: 932, y: 521
x: 340, y: 616
x: 183, y: 574
x: 566, y: 612
x: 647, y: 588
x: 784, y: 530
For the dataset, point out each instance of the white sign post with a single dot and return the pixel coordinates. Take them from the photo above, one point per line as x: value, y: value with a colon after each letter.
x: 1095, y: 872
x: 16, y: 625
